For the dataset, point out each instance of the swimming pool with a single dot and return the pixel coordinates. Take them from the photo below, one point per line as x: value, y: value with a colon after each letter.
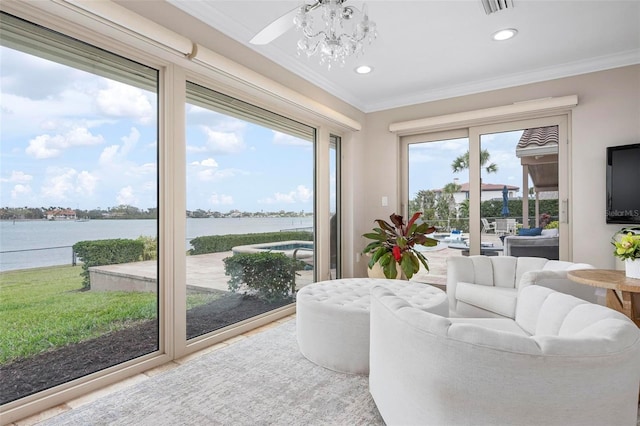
x: 301, y: 249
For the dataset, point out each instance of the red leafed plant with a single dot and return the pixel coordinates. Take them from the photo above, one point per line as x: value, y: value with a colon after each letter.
x: 395, y: 243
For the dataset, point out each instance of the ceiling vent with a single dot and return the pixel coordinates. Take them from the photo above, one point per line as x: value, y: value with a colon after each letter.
x: 492, y: 6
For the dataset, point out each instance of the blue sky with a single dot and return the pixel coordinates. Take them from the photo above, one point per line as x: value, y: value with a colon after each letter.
x: 74, y: 139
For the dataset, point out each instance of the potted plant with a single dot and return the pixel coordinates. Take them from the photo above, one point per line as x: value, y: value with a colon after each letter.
x: 627, y: 248
x: 394, y: 244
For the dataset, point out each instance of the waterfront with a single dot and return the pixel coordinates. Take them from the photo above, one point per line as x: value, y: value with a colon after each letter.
x: 28, y: 244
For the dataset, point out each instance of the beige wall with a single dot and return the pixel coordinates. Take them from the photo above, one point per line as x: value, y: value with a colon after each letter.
x: 608, y: 113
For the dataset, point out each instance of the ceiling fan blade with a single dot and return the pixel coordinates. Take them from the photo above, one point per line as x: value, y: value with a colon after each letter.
x: 276, y: 28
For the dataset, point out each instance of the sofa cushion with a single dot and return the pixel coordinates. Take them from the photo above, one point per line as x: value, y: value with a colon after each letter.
x: 499, y: 300
x: 500, y: 324
x: 531, y: 232
x: 504, y: 271
x: 528, y: 307
x: 495, y: 339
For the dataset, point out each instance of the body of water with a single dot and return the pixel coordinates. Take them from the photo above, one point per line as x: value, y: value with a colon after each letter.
x: 32, y: 244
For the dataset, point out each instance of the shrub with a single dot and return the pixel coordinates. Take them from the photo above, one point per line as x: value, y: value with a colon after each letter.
x: 270, y: 275
x: 150, y: 250
x: 106, y: 252
x: 221, y: 243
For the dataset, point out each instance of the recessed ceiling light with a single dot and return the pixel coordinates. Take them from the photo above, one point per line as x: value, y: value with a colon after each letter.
x: 505, y: 34
x: 364, y: 69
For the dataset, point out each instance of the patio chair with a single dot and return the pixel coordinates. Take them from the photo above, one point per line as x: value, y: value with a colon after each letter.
x: 487, y: 227
x: 505, y: 226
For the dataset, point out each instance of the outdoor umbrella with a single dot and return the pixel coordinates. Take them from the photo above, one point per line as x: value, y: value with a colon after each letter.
x: 505, y: 202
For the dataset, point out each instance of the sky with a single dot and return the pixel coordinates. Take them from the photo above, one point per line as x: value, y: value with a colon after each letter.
x: 430, y: 163
x: 74, y: 139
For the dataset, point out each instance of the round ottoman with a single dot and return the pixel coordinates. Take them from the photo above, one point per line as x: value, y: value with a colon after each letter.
x: 332, y: 318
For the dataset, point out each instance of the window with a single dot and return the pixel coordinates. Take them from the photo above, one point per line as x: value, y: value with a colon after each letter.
x: 78, y: 183
x: 250, y: 210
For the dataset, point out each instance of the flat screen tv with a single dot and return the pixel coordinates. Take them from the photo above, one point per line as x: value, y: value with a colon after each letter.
x: 623, y: 184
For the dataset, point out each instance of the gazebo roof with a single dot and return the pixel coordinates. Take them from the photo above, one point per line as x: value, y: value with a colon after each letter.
x: 538, y: 149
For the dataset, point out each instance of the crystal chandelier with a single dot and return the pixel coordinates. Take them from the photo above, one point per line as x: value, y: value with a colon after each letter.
x: 333, y: 31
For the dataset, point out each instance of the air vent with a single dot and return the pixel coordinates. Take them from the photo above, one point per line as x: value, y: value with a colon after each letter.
x: 492, y: 6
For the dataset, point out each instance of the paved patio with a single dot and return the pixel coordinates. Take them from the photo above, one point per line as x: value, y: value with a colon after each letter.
x: 206, y: 271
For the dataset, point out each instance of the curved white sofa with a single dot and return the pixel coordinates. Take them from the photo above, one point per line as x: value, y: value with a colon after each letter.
x: 562, y: 361
x: 487, y: 286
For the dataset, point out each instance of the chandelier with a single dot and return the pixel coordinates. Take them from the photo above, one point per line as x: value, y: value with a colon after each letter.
x: 333, y: 31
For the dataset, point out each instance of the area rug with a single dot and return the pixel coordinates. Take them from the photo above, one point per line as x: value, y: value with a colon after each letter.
x: 260, y: 380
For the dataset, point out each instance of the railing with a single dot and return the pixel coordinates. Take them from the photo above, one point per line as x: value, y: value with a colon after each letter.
x: 35, y: 263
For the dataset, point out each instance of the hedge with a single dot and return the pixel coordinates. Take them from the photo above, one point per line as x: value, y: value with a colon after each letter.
x: 221, y: 243
x: 106, y: 252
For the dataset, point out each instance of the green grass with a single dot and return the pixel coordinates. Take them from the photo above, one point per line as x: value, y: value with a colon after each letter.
x: 42, y: 308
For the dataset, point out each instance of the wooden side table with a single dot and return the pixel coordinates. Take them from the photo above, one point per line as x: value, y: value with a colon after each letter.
x: 622, y: 292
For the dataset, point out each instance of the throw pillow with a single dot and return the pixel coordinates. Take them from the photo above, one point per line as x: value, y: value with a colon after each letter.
x: 550, y: 232
x: 531, y: 232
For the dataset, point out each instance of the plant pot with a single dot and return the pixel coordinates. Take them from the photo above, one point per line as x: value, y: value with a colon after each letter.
x: 377, y: 272
x: 632, y: 268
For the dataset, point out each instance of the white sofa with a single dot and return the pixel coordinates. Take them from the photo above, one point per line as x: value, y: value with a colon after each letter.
x: 562, y: 361
x: 487, y: 286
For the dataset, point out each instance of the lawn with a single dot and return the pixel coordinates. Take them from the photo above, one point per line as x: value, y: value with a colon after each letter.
x: 43, y: 308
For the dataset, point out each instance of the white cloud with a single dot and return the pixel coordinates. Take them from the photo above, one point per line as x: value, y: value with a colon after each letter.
x: 118, y: 153
x: 129, y: 142
x: 220, y: 199
x: 18, y: 177
x: 126, y: 195
x: 223, y: 142
x: 67, y: 184
x: 121, y: 100
x: 211, y: 174
x: 47, y: 146
x: 86, y: 183
x: 20, y: 190
x: 108, y: 155
x: 209, y: 162
x: 284, y: 139
x: 301, y: 194
x: 58, y: 187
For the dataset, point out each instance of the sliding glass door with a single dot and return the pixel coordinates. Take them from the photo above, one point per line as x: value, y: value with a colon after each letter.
x: 250, y: 210
x: 438, y: 186
x: 479, y: 190
x: 79, y: 229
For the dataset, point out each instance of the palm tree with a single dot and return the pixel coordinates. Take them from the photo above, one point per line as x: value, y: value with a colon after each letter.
x: 462, y: 162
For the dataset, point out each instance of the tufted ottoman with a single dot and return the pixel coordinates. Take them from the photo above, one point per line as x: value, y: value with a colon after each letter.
x: 332, y: 318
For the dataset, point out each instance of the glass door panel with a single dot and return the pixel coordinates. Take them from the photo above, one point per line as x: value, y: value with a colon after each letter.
x: 334, y: 207
x: 250, y: 207
x: 519, y: 191
x: 438, y: 186
x: 78, y: 236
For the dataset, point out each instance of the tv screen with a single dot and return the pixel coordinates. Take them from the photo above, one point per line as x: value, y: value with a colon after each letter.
x: 623, y: 184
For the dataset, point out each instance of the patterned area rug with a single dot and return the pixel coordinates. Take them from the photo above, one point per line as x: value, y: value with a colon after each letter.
x: 261, y: 380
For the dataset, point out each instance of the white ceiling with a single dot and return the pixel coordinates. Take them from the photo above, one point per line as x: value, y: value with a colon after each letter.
x: 428, y: 50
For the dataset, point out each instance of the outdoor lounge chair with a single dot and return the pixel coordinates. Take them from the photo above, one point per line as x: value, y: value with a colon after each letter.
x: 486, y: 226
